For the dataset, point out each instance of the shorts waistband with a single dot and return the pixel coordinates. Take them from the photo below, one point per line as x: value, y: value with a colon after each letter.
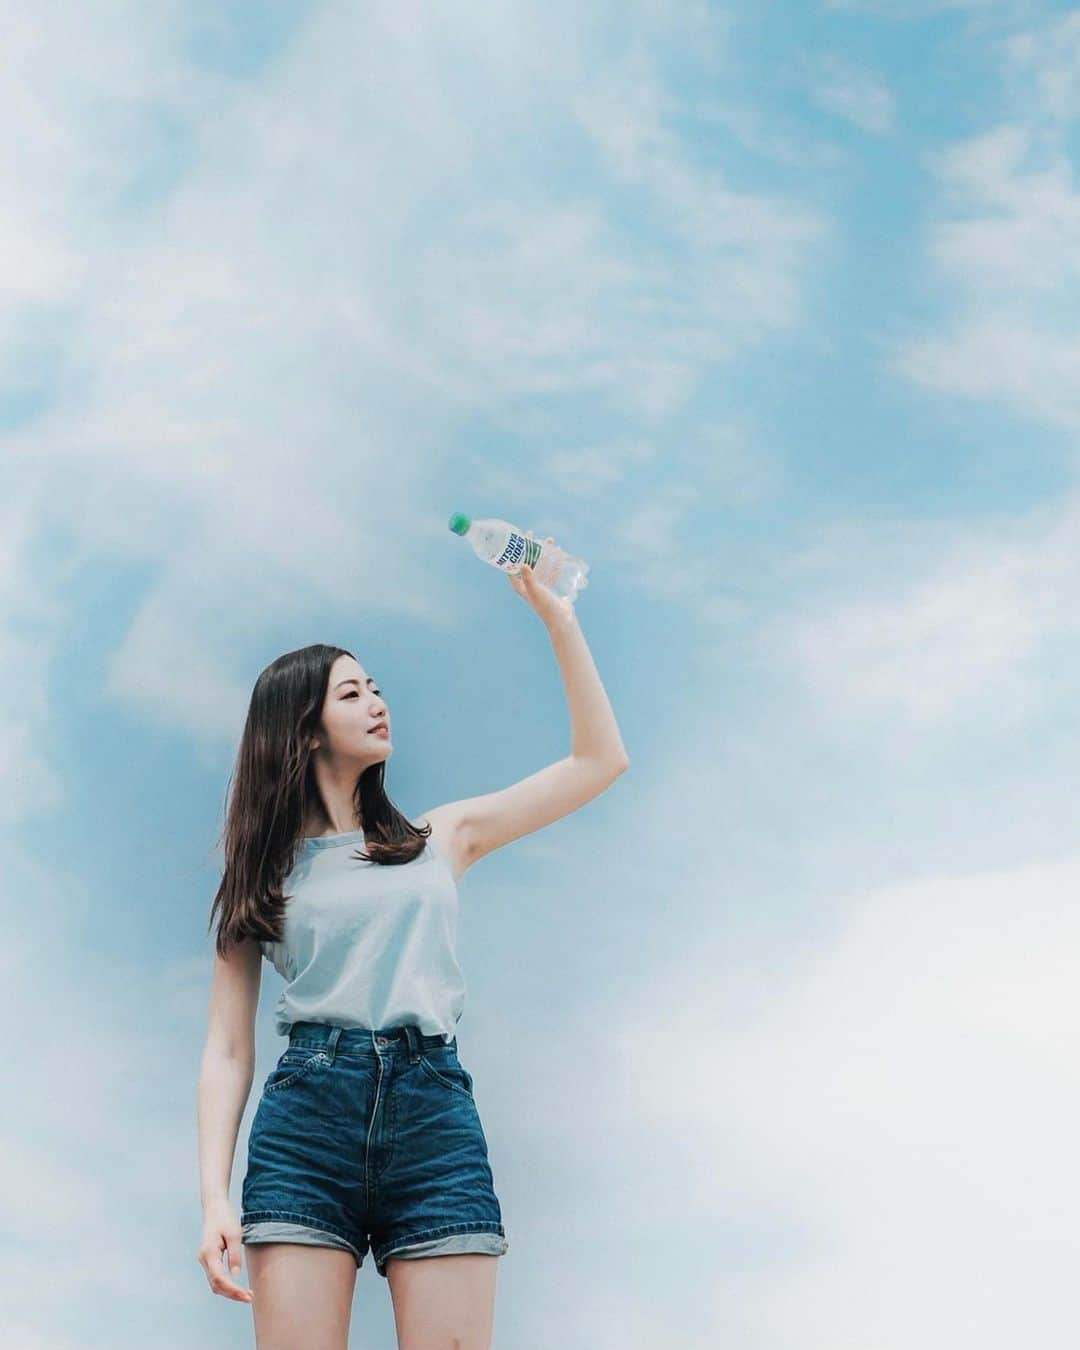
x: 329, y: 1037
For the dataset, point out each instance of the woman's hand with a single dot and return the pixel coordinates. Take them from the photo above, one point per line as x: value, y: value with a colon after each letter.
x: 552, y: 608
x: 221, y: 1231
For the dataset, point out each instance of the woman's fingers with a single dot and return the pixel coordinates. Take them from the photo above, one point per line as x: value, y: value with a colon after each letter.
x: 217, y: 1279
x: 234, y: 1248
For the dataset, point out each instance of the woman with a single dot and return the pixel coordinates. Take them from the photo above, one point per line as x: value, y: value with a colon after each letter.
x: 367, y: 1134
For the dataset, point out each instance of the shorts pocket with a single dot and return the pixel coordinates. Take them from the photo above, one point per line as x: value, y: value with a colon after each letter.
x: 445, y: 1067
x: 292, y: 1066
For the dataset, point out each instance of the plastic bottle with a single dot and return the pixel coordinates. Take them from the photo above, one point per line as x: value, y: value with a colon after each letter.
x: 504, y: 546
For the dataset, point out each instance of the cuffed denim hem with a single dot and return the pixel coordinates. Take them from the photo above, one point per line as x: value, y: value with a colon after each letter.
x: 450, y: 1239
x: 277, y: 1226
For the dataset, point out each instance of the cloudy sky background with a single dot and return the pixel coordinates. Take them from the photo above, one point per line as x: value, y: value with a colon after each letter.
x: 770, y: 311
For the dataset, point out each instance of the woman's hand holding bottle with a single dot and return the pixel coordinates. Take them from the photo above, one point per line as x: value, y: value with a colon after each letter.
x: 552, y: 608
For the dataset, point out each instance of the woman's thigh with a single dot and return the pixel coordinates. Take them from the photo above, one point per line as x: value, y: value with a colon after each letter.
x: 303, y: 1295
x: 443, y: 1302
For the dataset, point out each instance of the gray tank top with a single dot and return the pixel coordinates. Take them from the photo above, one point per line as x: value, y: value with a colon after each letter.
x: 368, y: 945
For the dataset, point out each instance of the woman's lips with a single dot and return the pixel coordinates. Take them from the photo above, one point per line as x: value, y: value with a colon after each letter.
x: 380, y: 731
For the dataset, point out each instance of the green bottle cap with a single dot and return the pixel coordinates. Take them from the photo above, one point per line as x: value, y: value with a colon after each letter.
x: 459, y: 523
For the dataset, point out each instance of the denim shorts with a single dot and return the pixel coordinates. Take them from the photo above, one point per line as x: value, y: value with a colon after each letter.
x: 370, y: 1140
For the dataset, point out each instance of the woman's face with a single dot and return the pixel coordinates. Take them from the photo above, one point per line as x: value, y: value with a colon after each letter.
x: 352, y: 708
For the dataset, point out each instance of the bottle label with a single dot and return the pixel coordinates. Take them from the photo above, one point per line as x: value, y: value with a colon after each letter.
x: 518, y: 550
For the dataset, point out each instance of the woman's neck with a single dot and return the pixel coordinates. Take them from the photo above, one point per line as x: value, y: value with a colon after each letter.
x: 315, y: 829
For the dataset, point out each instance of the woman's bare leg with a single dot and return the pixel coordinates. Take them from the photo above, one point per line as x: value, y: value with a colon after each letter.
x: 303, y: 1295
x: 443, y: 1302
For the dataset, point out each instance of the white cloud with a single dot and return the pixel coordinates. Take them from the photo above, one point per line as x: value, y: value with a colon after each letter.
x: 1035, y: 372
x: 892, y: 1095
x: 1010, y: 258
x: 960, y: 632
x: 282, y: 344
x: 97, y: 1159
x: 31, y: 583
x: 1048, y: 59
x: 1021, y: 215
x: 852, y: 92
x: 748, y: 249
x: 921, y: 9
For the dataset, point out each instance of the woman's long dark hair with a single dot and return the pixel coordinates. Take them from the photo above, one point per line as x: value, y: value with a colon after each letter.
x: 272, y: 787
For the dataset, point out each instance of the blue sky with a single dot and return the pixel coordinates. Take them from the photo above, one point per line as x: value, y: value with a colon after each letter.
x: 771, y: 313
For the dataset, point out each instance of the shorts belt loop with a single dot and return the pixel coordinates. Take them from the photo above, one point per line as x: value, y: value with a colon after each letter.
x: 331, y: 1042
x: 413, y: 1038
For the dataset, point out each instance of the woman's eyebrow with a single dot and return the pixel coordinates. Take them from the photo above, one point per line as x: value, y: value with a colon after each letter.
x: 370, y: 680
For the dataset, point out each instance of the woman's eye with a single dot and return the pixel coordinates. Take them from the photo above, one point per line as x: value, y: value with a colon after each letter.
x: 354, y: 694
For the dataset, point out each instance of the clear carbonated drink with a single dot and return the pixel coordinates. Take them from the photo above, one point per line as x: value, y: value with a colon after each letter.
x: 504, y: 546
